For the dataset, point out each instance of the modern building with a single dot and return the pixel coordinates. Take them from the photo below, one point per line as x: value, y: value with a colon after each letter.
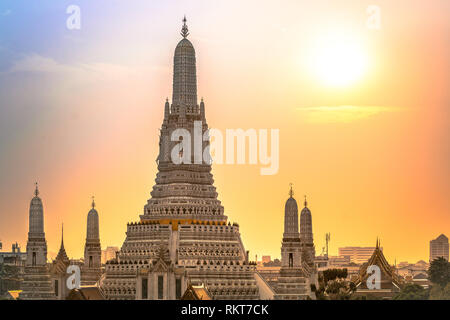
x: 439, y: 248
x: 358, y: 255
x: 183, y: 236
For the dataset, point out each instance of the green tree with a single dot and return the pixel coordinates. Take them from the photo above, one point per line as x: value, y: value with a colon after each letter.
x: 333, y: 274
x: 439, y: 272
x: 412, y: 291
x: 438, y: 293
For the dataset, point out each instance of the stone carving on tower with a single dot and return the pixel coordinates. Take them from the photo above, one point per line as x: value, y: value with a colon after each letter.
x: 91, y: 270
x: 292, y: 282
x: 183, y: 235
x: 36, y: 284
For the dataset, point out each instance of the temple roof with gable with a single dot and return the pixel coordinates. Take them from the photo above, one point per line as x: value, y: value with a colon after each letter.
x: 378, y: 259
x: 196, y: 293
x: 62, y: 260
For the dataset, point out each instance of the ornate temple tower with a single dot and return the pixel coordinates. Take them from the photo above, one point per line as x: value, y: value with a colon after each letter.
x: 183, y: 235
x: 306, y: 236
x: 91, y: 270
x: 36, y: 284
x: 58, y: 271
x: 291, y: 248
x: 292, y: 284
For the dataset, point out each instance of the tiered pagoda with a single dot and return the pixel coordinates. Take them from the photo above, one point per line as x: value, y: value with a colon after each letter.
x: 294, y: 281
x: 183, y: 236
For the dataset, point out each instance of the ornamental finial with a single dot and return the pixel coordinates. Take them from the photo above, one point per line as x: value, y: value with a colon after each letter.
x: 306, y: 202
x: 36, y: 191
x: 291, y: 192
x: 93, y: 202
x: 184, y: 29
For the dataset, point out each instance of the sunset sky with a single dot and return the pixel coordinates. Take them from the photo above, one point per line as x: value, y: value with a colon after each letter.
x: 367, y: 139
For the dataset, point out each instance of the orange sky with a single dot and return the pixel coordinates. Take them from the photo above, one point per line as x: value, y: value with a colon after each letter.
x: 373, y: 156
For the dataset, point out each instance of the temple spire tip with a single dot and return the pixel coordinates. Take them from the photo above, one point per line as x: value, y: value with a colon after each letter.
x: 291, y: 191
x: 184, y: 29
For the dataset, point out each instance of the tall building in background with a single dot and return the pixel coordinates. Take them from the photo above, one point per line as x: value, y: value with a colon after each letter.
x: 37, y: 284
x: 183, y: 236
x: 439, y: 248
x: 358, y: 255
x: 91, y: 269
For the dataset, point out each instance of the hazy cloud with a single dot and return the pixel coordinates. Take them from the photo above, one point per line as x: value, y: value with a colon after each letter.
x: 40, y: 64
x: 6, y: 13
x: 335, y: 114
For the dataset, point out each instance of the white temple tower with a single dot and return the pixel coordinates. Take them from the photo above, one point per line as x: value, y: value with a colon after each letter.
x: 183, y: 235
x: 91, y: 270
x: 37, y: 284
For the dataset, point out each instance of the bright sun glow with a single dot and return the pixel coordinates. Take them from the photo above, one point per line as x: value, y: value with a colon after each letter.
x: 339, y: 61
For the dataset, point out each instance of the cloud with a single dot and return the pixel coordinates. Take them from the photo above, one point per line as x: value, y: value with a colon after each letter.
x: 35, y: 63
x: 6, y: 13
x: 341, y: 114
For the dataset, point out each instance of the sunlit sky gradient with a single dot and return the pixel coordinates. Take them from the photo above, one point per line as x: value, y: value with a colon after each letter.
x: 80, y: 112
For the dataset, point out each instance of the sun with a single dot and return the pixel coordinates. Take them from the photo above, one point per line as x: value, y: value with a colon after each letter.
x: 339, y: 61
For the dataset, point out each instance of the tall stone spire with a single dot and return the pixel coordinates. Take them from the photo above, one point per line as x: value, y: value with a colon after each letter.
x: 306, y: 235
x: 92, y: 223
x: 290, y: 247
x: 292, y: 283
x: 184, y: 72
x: 183, y: 234
x: 36, y: 283
x: 291, y: 217
x: 186, y: 190
x: 36, y: 217
x: 91, y: 270
x: 62, y: 255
